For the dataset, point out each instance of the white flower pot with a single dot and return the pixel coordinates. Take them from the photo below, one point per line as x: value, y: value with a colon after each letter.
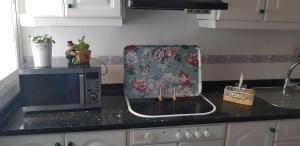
x: 42, y: 54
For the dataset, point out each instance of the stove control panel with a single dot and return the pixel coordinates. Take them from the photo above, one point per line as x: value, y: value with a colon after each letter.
x: 177, y: 134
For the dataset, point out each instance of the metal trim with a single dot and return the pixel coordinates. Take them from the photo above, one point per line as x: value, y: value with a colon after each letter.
x: 49, y: 71
x: 47, y: 108
x: 177, y: 4
x: 82, y: 89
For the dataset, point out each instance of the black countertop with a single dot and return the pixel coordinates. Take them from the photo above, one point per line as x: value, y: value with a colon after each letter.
x: 114, y: 115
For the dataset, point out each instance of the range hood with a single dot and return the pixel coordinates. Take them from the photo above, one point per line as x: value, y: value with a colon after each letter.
x: 177, y: 4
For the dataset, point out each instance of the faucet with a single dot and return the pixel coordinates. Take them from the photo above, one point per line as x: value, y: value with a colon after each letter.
x: 289, y: 86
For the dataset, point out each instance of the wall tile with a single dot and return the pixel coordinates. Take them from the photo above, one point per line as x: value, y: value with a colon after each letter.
x: 260, y: 58
x: 225, y: 52
x: 215, y: 59
x: 238, y: 58
x: 116, y: 74
x: 215, y: 72
x: 136, y: 16
x: 280, y: 58
x: 62, y: 35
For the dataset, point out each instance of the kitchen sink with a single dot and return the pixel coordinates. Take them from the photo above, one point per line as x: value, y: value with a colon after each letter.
x: 275, y: 96
x: 183, y: 106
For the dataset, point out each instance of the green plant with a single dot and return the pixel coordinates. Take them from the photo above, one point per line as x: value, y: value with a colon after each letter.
x: 82, y: 45
x: 40, y: 39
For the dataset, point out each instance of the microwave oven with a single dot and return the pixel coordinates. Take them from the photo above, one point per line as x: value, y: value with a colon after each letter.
x: 61, y: 86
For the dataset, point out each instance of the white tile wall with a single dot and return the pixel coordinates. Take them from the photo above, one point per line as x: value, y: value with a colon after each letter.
x: 175, y: 27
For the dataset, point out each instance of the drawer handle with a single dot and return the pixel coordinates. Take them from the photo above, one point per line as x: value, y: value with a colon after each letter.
x: 70, y: 6
x: 273, y: 130
x: 261, y: 11
x: 70, y: 143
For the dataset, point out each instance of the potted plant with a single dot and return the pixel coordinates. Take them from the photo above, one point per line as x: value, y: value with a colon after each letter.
x: 78, y: 53
x: 41, y: 50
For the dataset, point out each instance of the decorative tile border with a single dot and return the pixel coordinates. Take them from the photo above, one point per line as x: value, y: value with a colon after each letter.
x: 218, y: 59
x: 223, y: 59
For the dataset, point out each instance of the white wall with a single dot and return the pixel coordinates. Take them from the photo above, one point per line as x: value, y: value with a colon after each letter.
x: 175, y: 27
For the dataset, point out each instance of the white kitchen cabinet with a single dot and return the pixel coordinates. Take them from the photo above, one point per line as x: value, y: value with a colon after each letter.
x: 93, y: 8
x: 169, y: 144
x: 33, y: 140
x: 288, y: 130
x: 243, y: 10
x: 293, y: 143
x: 94, y: 138
x: 283, y: 11
x: 250, y: 134
x: 70, y: 12
x: 102, y: 138
x: 42, y: 8
x: 204, y: 143
x: 254, y: 14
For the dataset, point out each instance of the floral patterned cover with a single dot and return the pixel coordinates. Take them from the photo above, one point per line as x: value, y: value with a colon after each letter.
x: 149, y: 68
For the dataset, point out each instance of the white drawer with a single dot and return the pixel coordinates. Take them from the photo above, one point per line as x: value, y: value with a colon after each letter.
x: 294, y: 143
x: 288, y: 130
x: 170, y: 134
x: 204, y: 143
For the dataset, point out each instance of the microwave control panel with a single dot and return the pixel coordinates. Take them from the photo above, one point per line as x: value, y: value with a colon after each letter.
x: 92, y: 88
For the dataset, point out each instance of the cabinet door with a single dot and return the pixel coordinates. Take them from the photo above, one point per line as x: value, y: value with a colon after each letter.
x: 293, y: 143
x: 243, y: 10
x: 33, y: 140
x: 283, y: 11
x: 103, y: 138
x: 42, y: 8
x: 93, y: 8
x: 169, y: 144
x: 204, y: 143
x: 288, y: 130
x: 250, y: 134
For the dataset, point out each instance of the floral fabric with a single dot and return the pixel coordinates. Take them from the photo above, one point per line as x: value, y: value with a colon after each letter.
x: 151, y: 68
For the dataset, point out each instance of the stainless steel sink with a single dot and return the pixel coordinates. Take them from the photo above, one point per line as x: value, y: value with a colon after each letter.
x: 275, y: 96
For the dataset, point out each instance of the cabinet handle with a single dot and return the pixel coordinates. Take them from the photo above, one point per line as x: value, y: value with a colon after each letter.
x: 57, y: 144
x: 261, y: 11
x: 70, y: 6
x: 273, y: 130
x: 70, y: 143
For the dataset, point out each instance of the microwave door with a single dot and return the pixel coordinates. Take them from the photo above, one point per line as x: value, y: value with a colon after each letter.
x: 73, y: 90
x: 52, y: 91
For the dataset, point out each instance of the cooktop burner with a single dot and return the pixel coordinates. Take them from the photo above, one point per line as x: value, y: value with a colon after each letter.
x: 148, y: 107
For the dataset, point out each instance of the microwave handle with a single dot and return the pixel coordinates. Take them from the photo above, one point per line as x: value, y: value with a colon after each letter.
x: 81, y: 86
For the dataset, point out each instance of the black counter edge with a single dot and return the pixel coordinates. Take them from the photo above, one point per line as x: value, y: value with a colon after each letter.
x: 9, y: 110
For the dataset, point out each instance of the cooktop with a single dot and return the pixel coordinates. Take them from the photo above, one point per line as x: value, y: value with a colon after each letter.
x: 183, y: 106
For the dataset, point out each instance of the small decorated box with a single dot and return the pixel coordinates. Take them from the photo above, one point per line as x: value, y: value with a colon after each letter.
x: 239, y: 95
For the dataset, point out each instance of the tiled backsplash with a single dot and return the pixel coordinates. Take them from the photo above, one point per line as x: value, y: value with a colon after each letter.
x: 222, y: 59
x: 260, y: 54
x: 222, y: 67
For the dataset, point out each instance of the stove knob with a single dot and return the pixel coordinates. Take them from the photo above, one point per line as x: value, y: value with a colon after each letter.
x: 206, y: 133
x: 198, y: 134
x: 179, y: 136
x: 93, y: 96
x: 188, y: 135
x: 150, y: 137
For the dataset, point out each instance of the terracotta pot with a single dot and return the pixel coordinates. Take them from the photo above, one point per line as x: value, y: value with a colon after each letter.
x: 83, y: 56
